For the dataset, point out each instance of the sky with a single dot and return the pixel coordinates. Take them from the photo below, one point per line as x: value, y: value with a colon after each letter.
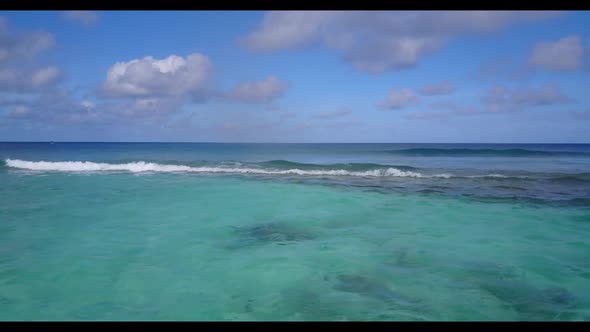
x: 295, y: 76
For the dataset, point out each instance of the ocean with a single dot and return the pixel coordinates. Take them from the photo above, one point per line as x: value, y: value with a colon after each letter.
x: 294, y: 232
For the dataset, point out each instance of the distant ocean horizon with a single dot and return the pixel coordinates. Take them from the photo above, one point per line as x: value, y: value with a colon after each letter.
x: 268, y: 142
x: 294, y: 231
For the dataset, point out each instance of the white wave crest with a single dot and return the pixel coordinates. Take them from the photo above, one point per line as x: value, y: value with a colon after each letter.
x: 141, y: 166
x: 499, y: 176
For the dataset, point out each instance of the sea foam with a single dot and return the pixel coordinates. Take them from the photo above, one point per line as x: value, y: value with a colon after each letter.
x: 141, y: 166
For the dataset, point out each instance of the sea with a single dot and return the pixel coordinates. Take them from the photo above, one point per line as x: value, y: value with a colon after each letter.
x: 294, y: 232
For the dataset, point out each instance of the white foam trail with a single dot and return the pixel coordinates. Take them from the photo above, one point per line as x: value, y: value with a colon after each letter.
x: 141, y: 166
x: 499, y: 176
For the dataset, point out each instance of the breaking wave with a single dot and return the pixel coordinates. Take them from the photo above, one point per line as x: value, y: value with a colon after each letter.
x: 141, y: 166
x: 278, y: 167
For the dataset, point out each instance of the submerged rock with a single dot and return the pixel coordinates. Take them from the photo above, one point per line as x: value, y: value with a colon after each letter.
x: 278, y: 233
x: 489, y: 270
x: 559, y: 296
x: 533, y: 303
x: 408, y: 258
x: 304, y: 303
x: 372, y: 288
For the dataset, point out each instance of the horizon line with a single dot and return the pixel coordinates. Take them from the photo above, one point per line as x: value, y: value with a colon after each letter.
x: 222, y: 142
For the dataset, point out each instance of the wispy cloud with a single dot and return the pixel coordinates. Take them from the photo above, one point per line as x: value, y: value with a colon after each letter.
x: 561, y: 55
x: 377, y: 42
x: 437, y: 89
x: 262, y: 91
x: 398, y: 99
x: 19, y: 72
x: 81, y: 16
x: 498, y: 99
x: 503, y: 69
x: 502, y: 99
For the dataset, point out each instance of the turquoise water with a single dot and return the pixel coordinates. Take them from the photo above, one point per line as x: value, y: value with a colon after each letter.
x: 85, y: 242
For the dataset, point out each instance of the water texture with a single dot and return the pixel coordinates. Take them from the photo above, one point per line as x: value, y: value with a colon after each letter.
x: 283, y: 232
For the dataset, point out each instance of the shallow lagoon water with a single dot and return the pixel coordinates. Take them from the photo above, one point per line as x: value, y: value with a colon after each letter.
x: 161, y: 246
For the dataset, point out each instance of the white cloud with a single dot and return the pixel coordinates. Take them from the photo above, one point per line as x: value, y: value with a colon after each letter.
x: 45, y: 76
x: 146, y: 107
x: 87, y: 104
x: 57, y: 106
x: 502, y: 99
x: 18, y: 72
x: 441, y: 88
x: 262, y: 91
x: 497, y: 99
x: 398, y: 99
x: 21, y: 46
x: 149, y: 77
x: 564, y: 54
x: 32, y: 89
x: 24, y: 80
x: 152, y: 87
x: 378, y: 41
x: 81, y: 16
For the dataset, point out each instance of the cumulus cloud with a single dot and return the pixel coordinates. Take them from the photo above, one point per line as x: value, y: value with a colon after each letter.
x: 148, y: 77
x: 563, y: 54
x: 81, y: 16
x: 55, y: 106
x: 45, y: 76
x: 398, y: 99
x: 500, y: 98
x: 378, y: 41
x: 25, y: 80
x: 441, y: 88
x: 152, y: 87
x: 262, y: 91
x: 21, y: 78
x: 343, y: 111
x: 18, y: 50
x: 31, y: 91
x: 21, y: 46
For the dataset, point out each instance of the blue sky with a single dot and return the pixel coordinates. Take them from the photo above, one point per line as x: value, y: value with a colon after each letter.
x: 295, y: 76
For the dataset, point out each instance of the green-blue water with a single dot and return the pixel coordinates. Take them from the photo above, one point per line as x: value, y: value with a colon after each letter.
x: 294, y: 232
